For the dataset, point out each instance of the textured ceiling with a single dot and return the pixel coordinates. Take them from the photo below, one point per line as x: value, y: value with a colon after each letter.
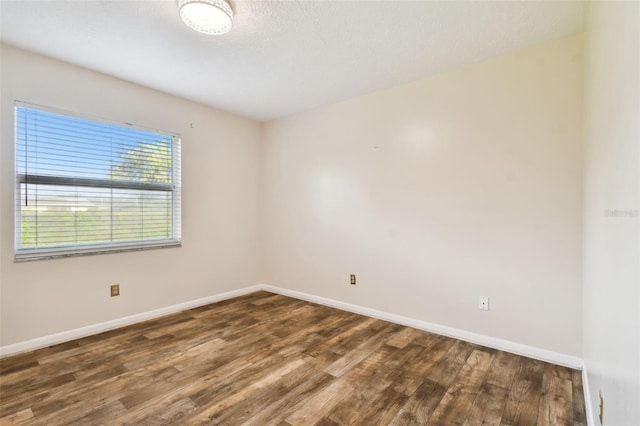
x: 282, y: 57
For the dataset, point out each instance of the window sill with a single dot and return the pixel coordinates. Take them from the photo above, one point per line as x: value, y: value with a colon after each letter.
x: 90, y: 251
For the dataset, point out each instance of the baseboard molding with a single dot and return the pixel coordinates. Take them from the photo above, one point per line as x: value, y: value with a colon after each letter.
x: 65, y: 336
x: 492, y: 342
x: 588, y: 406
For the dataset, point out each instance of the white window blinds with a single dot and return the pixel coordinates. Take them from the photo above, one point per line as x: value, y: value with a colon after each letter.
x: 87, y: 186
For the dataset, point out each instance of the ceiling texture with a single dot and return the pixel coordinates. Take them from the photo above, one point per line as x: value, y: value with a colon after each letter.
x: 282, y: 57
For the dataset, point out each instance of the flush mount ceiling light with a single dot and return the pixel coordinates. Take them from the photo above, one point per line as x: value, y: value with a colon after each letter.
x: 207, y: 16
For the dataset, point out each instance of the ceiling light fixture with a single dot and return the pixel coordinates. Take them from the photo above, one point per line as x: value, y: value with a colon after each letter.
x: 207, y: 16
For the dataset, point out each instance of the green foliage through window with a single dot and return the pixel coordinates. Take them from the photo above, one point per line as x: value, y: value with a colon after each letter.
x: 86, y: 185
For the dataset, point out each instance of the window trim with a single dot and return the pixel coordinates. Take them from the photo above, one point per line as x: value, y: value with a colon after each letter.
x: 52, y: 252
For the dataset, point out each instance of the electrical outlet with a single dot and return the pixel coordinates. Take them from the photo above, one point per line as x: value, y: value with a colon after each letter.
x: 483, y: 303
x: 353, y: 279
x: 601, y: 407
x: 115, y: 290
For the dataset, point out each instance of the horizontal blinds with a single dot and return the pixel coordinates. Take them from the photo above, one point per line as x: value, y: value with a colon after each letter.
x: 85, y: 186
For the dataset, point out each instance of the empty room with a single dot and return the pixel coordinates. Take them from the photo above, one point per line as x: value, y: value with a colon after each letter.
x: 313, y: 212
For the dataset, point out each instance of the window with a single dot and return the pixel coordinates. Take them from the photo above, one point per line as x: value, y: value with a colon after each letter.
x: 88, y: 186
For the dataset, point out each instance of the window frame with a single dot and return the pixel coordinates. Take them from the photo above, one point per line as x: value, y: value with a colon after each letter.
x: 81, y: 249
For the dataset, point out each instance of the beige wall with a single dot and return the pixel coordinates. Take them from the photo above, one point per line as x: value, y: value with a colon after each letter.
x: 220, y: 173
x: 437, y: 192
x: 433, y: 193
x: 611, y: 232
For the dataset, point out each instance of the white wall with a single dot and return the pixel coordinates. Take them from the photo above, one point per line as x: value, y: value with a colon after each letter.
x: 221, y: 210
x: 436, y: 192
x: 611, y: 232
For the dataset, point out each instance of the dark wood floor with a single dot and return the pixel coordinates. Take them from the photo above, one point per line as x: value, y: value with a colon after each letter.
x: 265, y: 359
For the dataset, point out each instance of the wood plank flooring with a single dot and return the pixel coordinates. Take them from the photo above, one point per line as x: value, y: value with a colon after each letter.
x: 265, y: 359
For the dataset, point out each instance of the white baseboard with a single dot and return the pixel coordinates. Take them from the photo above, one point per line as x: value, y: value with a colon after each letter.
x: 588, y: 406
x: 65, y: 336
x: 492, y: 342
